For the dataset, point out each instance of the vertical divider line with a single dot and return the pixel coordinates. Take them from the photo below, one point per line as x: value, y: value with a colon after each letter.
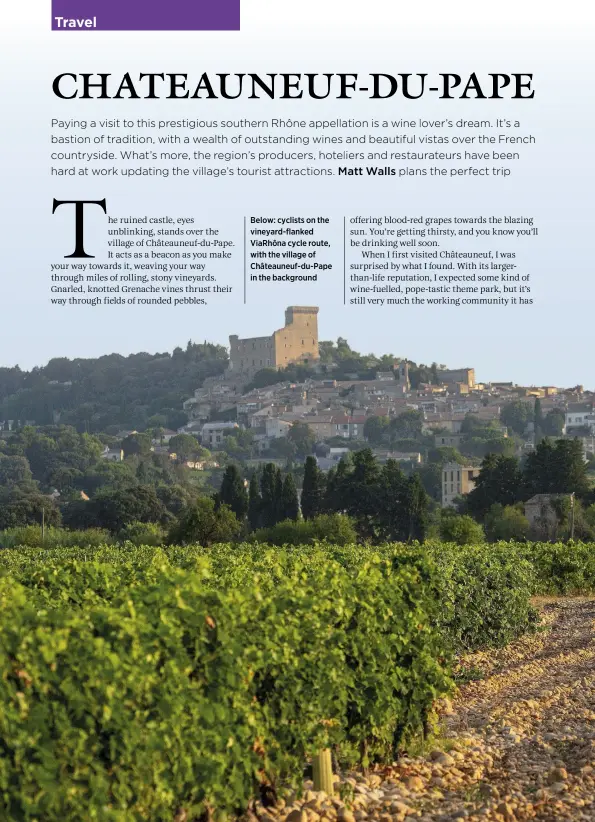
x: 244, y: 261
x: 344, y: 263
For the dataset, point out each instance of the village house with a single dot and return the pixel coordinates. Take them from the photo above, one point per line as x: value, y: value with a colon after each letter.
x: 212, y: 433
x: 457, y: 480
x: 543, y: 511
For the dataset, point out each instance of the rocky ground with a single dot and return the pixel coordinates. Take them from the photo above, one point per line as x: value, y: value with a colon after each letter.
x: 518, y: 741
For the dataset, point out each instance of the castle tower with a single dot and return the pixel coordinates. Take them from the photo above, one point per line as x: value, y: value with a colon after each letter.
x: 403, y: 375
x: 296, y: 342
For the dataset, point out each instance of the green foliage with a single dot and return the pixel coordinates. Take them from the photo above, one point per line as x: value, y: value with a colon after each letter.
x: 233, y: 493
x: 20, y: 505
x: 14, y: 470
x: 556, y: 467
x: 553, y: 423
x: 376, y: 430
x: 484, y: 594
x: 561, y: 568
x: 114, y: 509
x: 382, y: 501
x: 337, y: 529
x: 506, y: 523
x: 312, y: 500
x: 136, y: 445
x: 459, y: 528
x: 111, y: 391
x: 32, y: 536
x: 186, y: 447
x: 499, y: 482
x: 301, y: 436
x: 178, y: 689
x: 289, y: 503
x: 204, y: 523
x: 517, y: 415
x: 254, y: 503
x: 143, y: 533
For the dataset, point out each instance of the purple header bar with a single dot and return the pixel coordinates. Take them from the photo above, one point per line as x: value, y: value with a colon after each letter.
x: 145, y: 15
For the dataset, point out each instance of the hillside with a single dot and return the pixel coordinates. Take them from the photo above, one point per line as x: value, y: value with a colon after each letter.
x: 111, y: 392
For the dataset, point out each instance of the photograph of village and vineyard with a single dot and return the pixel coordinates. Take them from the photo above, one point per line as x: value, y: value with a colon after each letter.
x: 288, y: 582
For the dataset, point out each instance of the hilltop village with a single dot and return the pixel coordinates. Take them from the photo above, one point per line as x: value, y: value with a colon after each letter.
x: 401, y: 415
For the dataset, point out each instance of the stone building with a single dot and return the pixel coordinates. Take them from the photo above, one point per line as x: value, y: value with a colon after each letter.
x: 296, y: 342
x: 465, y: 376
x: 457, y: 480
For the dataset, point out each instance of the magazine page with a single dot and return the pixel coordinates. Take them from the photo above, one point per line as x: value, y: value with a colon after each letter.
x: 297, y: 411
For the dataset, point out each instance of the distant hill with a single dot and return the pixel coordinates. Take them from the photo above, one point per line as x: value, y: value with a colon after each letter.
x: 110, y: 392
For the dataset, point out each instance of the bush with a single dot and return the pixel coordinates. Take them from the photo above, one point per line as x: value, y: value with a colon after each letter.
x: 506, y: 523
x: 143, y: 533
x: 484, y: 594
x: 31, y: 536
x: 205, y: 523
x: 561, y: 568
x: 461, y: 529
x: 338, y: 529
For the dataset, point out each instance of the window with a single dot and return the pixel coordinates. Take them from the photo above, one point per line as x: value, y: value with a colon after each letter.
x: 471, y: 477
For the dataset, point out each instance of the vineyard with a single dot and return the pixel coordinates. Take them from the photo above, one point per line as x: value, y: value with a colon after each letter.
x: 161, y: 684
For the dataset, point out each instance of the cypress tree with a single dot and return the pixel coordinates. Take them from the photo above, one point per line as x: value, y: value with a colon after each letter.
x: 233, y: 492
x: 270, y: 492
x: 254, y: 503
x: 278, y: 504
x: 312, y: 490
x: 290, y: 507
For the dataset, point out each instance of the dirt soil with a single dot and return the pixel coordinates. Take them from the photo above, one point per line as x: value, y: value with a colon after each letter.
x: 518, y: 741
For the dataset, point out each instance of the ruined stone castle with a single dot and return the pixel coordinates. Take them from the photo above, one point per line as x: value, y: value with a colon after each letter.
x: 296, y: 342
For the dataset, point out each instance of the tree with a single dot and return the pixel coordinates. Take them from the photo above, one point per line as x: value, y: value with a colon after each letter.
x: 254, y: 503
x: 506, y: 523
x: 460, y: 528
x: 270, y: 492
x: 14, y: 470
x: 416, y: 508
x: 204, y: 523
x: 302, y: 437
x: 313, y: 488
x: 19, y: 507
x: 554, y: 422
x: 407, y: 425
x: 185, y: 447
x: 430, y: 474
x: 376, y: 429
x: 282, y: 447
x: 233, y: 492
x: 392, y: 521
x: 444, y: 454
x: 499, y: 481
x: 538, y: 420
x: 359, y: 492
x: 113, y: 509
x: 289, y: 506
x: 136, y: 445
x: 556, y: 467
x: 517, y: 415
